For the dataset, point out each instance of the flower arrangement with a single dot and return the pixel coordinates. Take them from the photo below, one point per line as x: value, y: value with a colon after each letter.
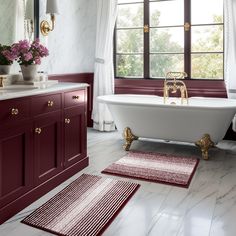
x: 7, y: 54
x: 29, y: 53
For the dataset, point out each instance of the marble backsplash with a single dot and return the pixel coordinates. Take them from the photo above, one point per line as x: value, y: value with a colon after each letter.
x: 72, y: 43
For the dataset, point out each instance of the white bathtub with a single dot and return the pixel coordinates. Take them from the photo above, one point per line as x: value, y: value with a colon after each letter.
x: 147, y: 116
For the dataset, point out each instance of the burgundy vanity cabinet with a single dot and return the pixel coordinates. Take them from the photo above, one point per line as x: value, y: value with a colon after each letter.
x: 47, y: 131
x: 42, y: 143
x: 75, y: 132
x: 47, y: 146
x: 16, y: 162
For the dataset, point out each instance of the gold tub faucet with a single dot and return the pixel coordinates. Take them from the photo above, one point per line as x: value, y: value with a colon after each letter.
x: 1, y: 80
x: 173, y: 83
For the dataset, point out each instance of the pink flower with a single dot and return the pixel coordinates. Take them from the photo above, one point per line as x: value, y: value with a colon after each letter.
x: 7, y: 55
x: 28, y: 54
x: 37, y: 60
x: 10, y: 55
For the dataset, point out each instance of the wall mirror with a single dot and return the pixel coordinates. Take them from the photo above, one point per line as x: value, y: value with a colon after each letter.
x: 19, y: 20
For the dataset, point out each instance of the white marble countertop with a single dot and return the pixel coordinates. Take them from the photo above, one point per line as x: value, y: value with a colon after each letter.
x: 24, y: 91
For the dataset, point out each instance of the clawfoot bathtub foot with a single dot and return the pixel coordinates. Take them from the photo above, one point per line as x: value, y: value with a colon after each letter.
x: 129, y: 138
x: 205, y: 143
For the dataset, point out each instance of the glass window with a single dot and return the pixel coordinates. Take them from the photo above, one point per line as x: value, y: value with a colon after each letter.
x: 153, y: 37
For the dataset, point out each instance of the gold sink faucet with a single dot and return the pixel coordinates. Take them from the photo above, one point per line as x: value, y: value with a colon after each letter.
x: 2, y: 77
x: 173, y: 83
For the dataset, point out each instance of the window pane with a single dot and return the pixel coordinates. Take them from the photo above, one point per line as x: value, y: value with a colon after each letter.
x: 130, y: 41
x: 207, y: 11
x: 130, y: 15
x: 167, y: 39
x: 162, y: 63
x: 207, y: 66
x: 129, y: 65
x: 207, y: 38
x: 167, y: 13
x: 129, y: 1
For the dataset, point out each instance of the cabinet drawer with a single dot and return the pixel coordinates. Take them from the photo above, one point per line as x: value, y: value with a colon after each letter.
x: 74, y: 98
x: 45, y: 104
x: 14, y: 110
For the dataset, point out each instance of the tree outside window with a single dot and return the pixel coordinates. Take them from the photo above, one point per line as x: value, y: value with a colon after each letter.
x: 154, y: 37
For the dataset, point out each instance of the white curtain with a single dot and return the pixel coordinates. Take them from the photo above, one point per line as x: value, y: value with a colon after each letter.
x: 230, y: 50
x: 103, y: 71
x: 230, y: 46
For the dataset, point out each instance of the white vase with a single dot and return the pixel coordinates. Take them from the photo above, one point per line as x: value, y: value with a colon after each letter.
x: 5, y: 69
x: 29, y: 72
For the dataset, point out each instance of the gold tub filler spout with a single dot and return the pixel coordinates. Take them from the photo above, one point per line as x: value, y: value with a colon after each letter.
x: 173, y: 83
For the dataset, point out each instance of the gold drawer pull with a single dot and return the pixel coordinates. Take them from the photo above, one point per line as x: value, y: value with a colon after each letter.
x: 38, y: 130
x: 75, y: 97
x: 67, y: 121
x: 50, y: 103
x: 14, y: 111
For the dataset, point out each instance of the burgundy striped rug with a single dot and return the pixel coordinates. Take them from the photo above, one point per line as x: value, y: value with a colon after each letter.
x: 156, y: 167
x: 85, y: 207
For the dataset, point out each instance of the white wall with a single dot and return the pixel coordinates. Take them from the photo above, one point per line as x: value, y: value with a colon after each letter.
x: 11, y: 21
x: 72, y: 44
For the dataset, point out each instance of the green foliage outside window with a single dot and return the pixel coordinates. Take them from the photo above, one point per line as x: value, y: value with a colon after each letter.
x: 205, y: 66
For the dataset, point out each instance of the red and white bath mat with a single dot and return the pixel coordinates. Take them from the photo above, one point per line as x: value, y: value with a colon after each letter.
x: 156, y: 167
x: 85, y: 207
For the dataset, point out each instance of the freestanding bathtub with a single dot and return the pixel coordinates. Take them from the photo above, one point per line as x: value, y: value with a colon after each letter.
x: 203, y: 121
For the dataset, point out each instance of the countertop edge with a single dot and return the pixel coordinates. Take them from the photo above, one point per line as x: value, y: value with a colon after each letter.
x: 38, y: 91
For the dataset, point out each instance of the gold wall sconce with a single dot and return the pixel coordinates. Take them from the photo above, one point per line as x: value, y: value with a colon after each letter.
x: 52, y: 9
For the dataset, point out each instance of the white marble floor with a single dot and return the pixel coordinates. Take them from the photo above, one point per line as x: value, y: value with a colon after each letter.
x: 207, y: 207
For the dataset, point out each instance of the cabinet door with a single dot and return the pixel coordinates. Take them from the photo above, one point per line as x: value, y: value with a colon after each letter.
x: 47, y: 146
x: 75, y: 135
x: 16, y: 162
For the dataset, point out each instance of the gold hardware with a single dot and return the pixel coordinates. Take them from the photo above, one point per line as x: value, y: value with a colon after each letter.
x: 75, y: 97
x: 45, y: 27
x: 14, y: 111
x: 2, y: 77
x: 205, y: 143
x: 1, y: 83
x: 67, y: 121
x: 129, y: 138
x: 50, y: 103
x: 38, y: 130
x: 146, y: 28
x: 171, y: 83
x: 186, y: 26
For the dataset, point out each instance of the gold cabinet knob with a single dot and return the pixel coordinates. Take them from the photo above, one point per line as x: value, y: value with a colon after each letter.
x: 38, y: 130
x: 50, y: 103
x: 67, y: 121
x: 76, y: 97
x: 14, y: 111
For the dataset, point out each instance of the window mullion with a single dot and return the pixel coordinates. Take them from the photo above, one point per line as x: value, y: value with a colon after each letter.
x: 146, y: 36
x: 187, y: 38
x: 115, y: 50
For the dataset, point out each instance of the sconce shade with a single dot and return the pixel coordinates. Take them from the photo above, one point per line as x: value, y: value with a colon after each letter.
x: 52, y: 7
x: 29, y: 10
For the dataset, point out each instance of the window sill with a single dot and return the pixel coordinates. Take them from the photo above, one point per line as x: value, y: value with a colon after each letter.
x: 196, y: 87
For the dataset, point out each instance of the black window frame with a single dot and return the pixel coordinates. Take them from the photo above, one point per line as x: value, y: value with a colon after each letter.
x: 187, y: 43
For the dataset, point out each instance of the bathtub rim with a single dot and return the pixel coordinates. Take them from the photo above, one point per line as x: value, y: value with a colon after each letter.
x: 102, y: 99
